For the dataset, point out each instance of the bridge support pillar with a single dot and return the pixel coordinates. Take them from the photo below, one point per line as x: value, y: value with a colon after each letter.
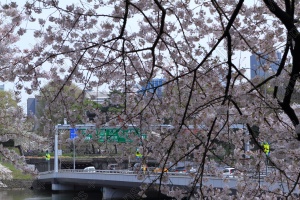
x: 61, y: 187
x: 117, y: 193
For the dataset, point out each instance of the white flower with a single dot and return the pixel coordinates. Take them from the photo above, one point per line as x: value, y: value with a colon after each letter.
x: 140, y: 176
x: 165, y: 178
x: 280, y: 154
x: 297, y: 129
x: 293, y: 145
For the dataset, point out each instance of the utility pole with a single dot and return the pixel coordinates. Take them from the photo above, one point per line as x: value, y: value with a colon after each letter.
x: 74, y: 153
x: 247, y: 143
x: 56, y: 149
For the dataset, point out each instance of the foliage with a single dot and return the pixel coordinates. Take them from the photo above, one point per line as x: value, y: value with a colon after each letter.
x: 12, y: 126
x: 9, y: 114
x: 12, y: 122
x: 57, y: 102
x: 103, y: 112
x: 196, y: 46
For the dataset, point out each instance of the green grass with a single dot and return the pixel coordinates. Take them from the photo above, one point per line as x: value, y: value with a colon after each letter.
x: 14, y: 149
x: 17, y: 174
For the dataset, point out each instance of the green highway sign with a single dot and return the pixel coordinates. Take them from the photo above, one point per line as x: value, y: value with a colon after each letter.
x: 109, y: 134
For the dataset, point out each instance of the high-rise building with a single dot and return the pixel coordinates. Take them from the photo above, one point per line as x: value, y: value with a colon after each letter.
x: 154, y: 85
x: 257, y: 63
x: 32, y: 104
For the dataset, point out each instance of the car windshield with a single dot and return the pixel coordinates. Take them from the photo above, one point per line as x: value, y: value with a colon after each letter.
x: 226, y: 170
x: 180, y: 168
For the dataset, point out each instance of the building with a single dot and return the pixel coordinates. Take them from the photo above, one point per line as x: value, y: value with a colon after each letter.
x: 96, y: 96
x: 256, y: 65
x: 155, y: 85
x: 1, y: 87
x: 32, y: 105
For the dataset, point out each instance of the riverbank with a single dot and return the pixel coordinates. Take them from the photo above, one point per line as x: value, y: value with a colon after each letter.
x: 12, y: 178
x: 16, y: 184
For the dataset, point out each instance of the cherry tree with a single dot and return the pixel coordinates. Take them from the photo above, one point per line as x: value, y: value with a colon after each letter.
x: 196, y: 46
x: 68, y: 104
x: 12, y: 121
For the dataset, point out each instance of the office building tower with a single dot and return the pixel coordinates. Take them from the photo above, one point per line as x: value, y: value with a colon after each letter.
x: 154, y: 85
x: 257, y: 63
x: 32, y: 106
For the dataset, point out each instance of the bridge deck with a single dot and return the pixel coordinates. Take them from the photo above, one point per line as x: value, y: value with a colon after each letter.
x: 130, y: 179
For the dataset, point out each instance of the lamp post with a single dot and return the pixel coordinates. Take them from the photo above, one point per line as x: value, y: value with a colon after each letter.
x: 74, y: 153
x: 56, y: 149
x: 73, y: 137
x: 246, y: 143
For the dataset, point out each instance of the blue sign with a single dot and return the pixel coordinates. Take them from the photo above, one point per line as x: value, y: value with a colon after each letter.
x: 73, y: 133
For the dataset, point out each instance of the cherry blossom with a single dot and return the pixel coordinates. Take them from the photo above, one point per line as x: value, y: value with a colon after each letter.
x: 198, y: 48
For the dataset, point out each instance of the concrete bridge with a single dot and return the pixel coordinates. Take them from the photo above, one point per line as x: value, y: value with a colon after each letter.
x: 124, y: 183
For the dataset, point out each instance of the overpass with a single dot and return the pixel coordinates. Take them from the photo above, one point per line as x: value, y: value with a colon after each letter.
x: 122, y: 183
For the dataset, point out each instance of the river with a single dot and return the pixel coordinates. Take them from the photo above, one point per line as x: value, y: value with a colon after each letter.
x: 48, y: 195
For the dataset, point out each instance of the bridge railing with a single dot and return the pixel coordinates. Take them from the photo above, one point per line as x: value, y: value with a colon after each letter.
x: 252, y: 176
x: 46, y: 172
x: 115, y: 172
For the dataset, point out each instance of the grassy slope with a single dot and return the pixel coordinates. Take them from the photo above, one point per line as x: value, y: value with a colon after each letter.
x: 17, y: 174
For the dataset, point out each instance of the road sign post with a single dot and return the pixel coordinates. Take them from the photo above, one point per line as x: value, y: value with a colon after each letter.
x: 73, y: 135
x: 66, y: 127
x: 48, y: 159
x: 266, y: 149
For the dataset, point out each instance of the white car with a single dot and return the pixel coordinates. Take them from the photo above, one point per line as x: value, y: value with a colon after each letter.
x: 228, y: 172
x: 193, y: 170
x: 89, y: 169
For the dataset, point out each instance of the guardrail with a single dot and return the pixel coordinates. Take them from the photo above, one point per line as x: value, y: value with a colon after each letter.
x: 46, y: 172
x: 118, y: 172
x: 252, y: 176
x: 114, y: 172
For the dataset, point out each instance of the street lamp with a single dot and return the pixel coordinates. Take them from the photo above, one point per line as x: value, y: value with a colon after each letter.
x: 246, y: 143
x: 56, y: 149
